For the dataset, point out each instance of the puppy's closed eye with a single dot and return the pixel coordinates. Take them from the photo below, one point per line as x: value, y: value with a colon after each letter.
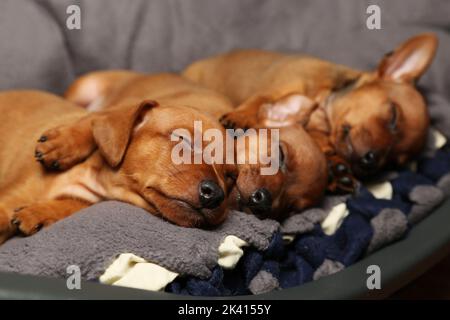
x: 283, y: 153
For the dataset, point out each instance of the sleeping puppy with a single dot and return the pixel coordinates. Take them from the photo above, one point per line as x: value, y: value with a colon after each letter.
x: 132, y: 164
x: 364, y: 120
x: 299, y: 180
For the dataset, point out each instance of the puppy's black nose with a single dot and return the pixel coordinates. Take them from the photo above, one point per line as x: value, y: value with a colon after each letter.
x: 260, y: 202
x: 211, y: 194
x: 369, y: 160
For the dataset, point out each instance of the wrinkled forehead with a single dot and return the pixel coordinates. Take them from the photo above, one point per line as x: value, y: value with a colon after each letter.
x: 369, y: 93
x: 363, y: 102
x: 403, y: 93
x: 380, y: 96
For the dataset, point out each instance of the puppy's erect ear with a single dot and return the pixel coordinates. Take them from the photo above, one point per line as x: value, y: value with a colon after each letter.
x: 291, y: 109
x: 113, y: 128
x: 409, y: 61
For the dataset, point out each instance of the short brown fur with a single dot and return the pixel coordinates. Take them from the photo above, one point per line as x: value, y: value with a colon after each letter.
x: 350, y: 113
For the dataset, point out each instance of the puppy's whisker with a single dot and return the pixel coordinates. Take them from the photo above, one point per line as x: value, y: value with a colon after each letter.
x: 222, y: 182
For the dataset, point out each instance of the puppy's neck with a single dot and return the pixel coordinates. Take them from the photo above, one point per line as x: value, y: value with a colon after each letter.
x: 110, y: 183
x: 83, y: 181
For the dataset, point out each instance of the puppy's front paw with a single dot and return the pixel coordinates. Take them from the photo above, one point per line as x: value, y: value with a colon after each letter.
x: 61, y: 148
x: 29, y: 220
x: 340, y: 177
x: 6, y: 231
x: 237, y: 120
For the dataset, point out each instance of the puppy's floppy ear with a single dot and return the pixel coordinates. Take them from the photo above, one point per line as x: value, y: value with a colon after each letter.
x: 290, y: 109
x: 410, y: 60
x: 113, y: 128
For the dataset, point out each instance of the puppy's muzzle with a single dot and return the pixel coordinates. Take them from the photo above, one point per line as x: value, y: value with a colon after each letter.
x: 210, y: 194
x: 368, y: 164
x: 369, y: 160
x: 260, y: 203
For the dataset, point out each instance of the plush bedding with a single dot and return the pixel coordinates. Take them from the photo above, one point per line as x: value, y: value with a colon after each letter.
x: 38, y: 51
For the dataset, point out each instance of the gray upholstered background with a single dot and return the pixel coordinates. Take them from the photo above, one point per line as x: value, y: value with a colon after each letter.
x: 38, y: 51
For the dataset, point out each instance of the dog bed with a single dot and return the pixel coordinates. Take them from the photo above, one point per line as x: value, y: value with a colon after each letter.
x: 245, y: 255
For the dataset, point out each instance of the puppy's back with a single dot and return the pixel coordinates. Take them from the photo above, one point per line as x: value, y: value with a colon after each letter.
x: 242, y: 74
x: 25, y: 113
x: 221, y: 72
x: 166, y: 88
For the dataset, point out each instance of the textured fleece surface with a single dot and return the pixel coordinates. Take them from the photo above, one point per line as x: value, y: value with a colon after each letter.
x: 166, y: 35
x: 94, y: 237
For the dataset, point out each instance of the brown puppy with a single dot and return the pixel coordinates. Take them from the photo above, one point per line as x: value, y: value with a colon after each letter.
x: 298, y: 183
x: 367, y: 119
x: 132, y: 164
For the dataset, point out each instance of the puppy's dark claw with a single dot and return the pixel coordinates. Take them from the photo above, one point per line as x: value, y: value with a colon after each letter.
x: 227, y: 123
x: 342, y: 169
x: 346, y: 181
x: 15, y: 222
x: 38, y: 227
x: 54, y: 165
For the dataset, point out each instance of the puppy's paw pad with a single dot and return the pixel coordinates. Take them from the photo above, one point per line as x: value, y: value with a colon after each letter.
x: 27, y: 221
x: 227, y: 123
x: 6, y: 231
x: 56, y: 149
x: 235, y: 120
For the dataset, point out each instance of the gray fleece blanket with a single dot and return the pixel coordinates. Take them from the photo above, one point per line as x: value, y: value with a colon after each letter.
x: 38, y: 51
x: 93, y: 238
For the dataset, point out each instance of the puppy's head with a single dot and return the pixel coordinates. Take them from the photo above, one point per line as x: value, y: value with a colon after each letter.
x: 137, y: 142
x: 381, y: 118
x: 294, y: 181
x: 306, y: 168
